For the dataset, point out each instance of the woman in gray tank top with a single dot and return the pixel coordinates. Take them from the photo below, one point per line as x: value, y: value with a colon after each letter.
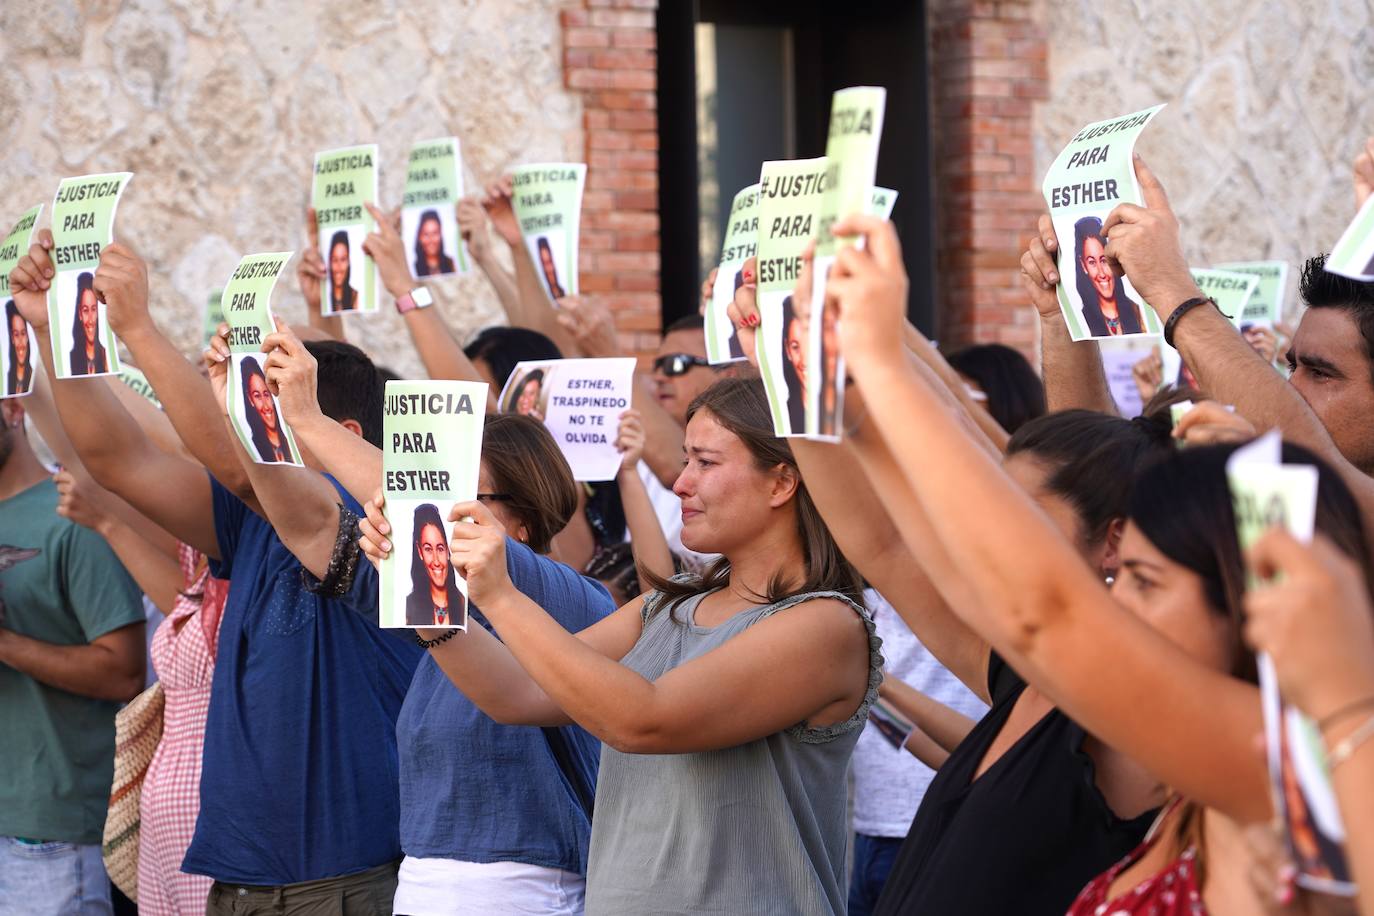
x: 728, y: 702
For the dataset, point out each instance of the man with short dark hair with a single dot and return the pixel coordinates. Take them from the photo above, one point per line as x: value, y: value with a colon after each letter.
x: 71, y: 651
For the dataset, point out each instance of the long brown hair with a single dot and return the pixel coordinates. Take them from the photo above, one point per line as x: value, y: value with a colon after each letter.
x: 528, y: 469
x: 740, y: 406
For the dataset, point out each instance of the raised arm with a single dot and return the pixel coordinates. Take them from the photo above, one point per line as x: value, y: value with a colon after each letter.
x: 472, y: 226
x: 944, y: 726
x: 934, y: 360
x: 172, y: 492
x: 650, y: 547
x: 1038, y: 603
x: 310, y: 274
x: 1073, y: 372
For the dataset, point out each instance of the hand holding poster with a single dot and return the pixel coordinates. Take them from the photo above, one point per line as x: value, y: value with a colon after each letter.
x: 429, y: 219
x: 547, y: 200
x: 19, y: 346
x: 345, y: 179
x: 851, y: 153
x: 1265, y: 492
x: 1266, y: 302
x: 83, y: 214
x: 741, y: 243
x: 252, y: 407
x: 1093, y: 174
x: 580, y: 401
x: 1353, y: 255
x: 431, y: 457
x: 790, y: 192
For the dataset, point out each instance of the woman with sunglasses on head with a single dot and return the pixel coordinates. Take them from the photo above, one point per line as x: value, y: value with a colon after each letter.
x: 1131, y: 663
x: 729, y: 702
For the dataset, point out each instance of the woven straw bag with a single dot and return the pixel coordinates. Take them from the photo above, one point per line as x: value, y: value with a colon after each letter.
x: 138, y: 730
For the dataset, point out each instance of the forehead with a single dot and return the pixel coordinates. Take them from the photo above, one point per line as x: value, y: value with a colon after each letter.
x: 1136, y: 547
x: 691, y: 342
x: 1092, y: 245
x: 1332, y: 334
x: 705, y: 431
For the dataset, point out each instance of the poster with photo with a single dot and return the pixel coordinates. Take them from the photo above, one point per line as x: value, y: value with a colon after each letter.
x: 20, y: 346
x: 1090, y: 176
x: 547, y: 201
x: 431, y: 458
x: 83, y: 215
x: 851, y: 153
x: 741, y: 243
x: 580, y: 401
x: 253, y: 409
x: 1267, y: 299
x: 429, y: 218
x: 345, y: 179
x: 1353, y: 255
x: 1265, y: 492
x: 790, y: 192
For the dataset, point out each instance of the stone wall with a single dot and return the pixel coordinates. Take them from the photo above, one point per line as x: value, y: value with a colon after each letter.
x: 1268, y: 105
x: 218, y: 107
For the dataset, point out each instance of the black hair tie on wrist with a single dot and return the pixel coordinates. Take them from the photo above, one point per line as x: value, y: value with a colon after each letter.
x: 431, y: 643
x: 1182, y: 310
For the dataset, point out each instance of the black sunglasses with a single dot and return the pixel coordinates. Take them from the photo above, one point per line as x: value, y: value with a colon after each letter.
x: 674, y: 364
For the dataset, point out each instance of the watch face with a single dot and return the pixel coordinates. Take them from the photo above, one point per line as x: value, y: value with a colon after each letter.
x: 421, y: 297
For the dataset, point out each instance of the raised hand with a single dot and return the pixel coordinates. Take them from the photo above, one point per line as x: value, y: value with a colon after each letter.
x: 869, y: 285
x: 478, y: 552
x: 497, y: 203
x: 472, y: 226
x: 1039, y: 270
x: 744, y: 311
x: 388, y: 252
x: 708, y: 291
x: 30, y: 279
x: 1209, y: 423
x: 590, y: 323
x: 291, y: 374
x: 310, y: 266
x: 1148, y: 375
x: 629, y: 440
x: 121, y: 282
x: 1144, y: 242
x: 82, y: 500
x: 373, y: 529
x: 1364, y: 173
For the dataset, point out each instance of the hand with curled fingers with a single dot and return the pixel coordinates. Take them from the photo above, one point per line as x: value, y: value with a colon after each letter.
x: 1040, y: 271
x: 497, y: 203
x: 374, y: 530
x: 80, y: 499
x: 478, y: 552
x: 291, y: 373
x: 1263, y: 341
x: 1312, y: 617
x: 472, y: 226
x: 590, y: 324
x: 629, y: 440
x: 1148, y: 375
x: 310, y: 267
x: 1144, y: 242
x: 121, y: 282
x: 30, y: 279
x: 869, y: 286
x: 388, y: 252
x: 708, y: 289
x: 1210, y: 423
x: 217, y: 363
x: 744, y: 311
x: 1364, y: 173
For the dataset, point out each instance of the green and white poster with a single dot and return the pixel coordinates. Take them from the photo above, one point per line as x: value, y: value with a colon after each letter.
x: 83, y: 215
x: 1232, y: 290
x: 580, y: 401
x: 1266, y: 302
x: 252, y: 407
x: 884, y: 199
x: 1353, y: 255
x: 214, y: 315
x: 1091, y: 175
x: 741, y: 243
x: 431, y: 454
x: 547, y: 200
x: 1266, y: 493
x: 790, y: 192
x: 429, y: 215
x: 17, y: 365
x: 345, y: 179
x: 851, y: 153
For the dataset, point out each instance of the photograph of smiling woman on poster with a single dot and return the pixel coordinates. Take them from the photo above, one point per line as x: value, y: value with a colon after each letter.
x: 88, y: 353
x: 19, y: 371
x: 548, y: 268
x: 527, y: 395
x: 260, y: 410
x: 342, y: 296
x: 794, y: 339
x: 434, y: 598
x: 430, y: 257
x: 1107, y: 310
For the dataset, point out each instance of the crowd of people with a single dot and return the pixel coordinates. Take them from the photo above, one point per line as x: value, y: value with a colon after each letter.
x: 994, y: 652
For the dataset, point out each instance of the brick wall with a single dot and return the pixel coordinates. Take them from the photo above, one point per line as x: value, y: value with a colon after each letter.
x: 609, y: 56
x: 989, y: 66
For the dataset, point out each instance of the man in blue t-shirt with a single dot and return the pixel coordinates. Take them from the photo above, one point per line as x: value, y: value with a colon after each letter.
x: 298, y: 786
x: 71, y: 650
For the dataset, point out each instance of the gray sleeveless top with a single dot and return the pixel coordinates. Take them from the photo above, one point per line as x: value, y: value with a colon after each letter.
x: 757, y: 828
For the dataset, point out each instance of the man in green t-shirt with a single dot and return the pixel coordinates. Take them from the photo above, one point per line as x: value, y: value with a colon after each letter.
x: 71, y: 650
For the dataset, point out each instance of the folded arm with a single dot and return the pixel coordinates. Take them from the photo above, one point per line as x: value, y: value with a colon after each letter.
x: 110, y: 667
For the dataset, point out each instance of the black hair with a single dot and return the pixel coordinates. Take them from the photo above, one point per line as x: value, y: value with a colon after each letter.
x: 693, y: 322
x: 1015, y: 393
x: 350, y: 295
x: 257, y: 429
x: 501, y: 348
x: 421, y: 263
x: 796, y: 404
x: 348, y: 386
x: 1094, y: 458
x: 1127, y: 310
x: 388, y: 374
x: 84, y: 282
x: 1321, y: 289
x: 428, y: 514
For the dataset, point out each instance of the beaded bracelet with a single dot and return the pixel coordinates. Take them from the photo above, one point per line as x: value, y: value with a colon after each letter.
x: 1349, y: 744
x: 431, y: 643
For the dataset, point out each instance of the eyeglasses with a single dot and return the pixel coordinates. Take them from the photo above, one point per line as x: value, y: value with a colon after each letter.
x: 675, y: 364
x: 495, y: 497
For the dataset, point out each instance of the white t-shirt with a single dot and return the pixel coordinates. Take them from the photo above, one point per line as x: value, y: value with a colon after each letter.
x: 890, y: 782
x: 447, y: 887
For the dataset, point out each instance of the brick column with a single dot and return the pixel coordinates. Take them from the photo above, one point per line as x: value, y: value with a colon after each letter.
x: 609, y: 56
x: 989, y: 64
